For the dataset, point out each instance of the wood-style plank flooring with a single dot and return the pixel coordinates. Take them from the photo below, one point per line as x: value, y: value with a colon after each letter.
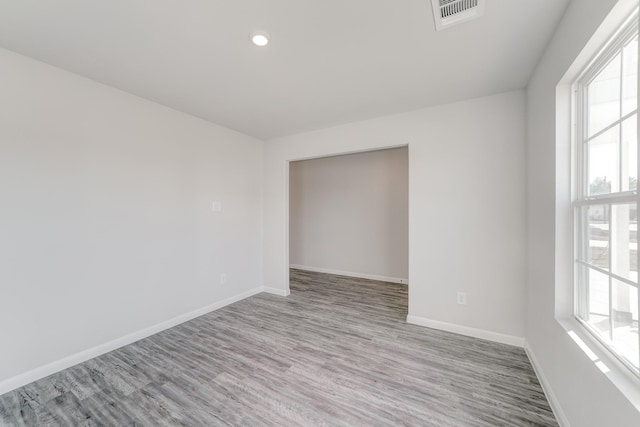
x: 337, y: 352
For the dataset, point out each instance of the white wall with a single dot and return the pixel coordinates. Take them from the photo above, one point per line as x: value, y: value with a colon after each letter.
x: 466, y: 205
x: 350, y: 213
x: 106, y: 225
x: 584, y: 394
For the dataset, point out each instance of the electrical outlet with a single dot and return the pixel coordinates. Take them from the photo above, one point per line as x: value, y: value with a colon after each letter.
x: 223, y: 278
x: 216, y: 206
x: 462, y: 298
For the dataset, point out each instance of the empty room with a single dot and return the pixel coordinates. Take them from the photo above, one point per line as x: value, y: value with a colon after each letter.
x: 319, y: 213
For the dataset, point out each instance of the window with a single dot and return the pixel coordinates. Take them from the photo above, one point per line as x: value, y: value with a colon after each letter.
x: 606, y: 203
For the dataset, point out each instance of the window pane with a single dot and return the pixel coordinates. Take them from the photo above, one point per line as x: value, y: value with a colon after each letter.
x: 596, y: 243
x: 630, y: 77
x: 625, y: 321
x: 597, y: 288
x: 603, y: 95
x: 624, y: 240
x: 630, y: 153
x: 604, y: 163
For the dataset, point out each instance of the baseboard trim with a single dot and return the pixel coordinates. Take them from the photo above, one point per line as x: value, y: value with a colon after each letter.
x: 69, y: 361
x: 561, y: 417
x: 350, y: 274
x: 466, y: 330
x: 277, y: 291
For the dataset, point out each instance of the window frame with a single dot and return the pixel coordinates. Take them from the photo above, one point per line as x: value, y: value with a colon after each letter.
x: 582, y: 199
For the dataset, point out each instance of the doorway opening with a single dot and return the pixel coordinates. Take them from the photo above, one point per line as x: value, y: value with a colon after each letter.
x: 349, y: 218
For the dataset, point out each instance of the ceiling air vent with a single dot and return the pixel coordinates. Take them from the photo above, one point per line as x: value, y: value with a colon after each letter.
x: 447, y: 13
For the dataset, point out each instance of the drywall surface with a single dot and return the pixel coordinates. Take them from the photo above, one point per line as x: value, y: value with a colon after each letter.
x: 350, y: 213
x: 106, y: 222
x: 466, y: 205
x: 584, y: 395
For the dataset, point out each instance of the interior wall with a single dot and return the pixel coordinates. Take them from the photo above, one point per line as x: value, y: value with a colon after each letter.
x: 586, y: 397
x: 350, y: 214
x: 466, y: 206
x: 106, y: 221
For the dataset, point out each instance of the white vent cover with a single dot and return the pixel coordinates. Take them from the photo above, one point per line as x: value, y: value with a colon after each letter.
x: 447, y: 13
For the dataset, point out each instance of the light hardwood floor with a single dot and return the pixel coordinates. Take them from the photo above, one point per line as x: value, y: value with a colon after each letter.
x: 336, y: 352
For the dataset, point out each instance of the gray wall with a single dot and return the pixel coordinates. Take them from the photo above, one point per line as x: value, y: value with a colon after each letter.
x: 350, y: 213
x: 106, y: 222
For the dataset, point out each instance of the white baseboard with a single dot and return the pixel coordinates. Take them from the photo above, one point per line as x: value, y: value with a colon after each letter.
x: 563, y: 421
x: 69, y: 361
x: 350, y: 274
x: 276, y: 291
x: 466, y: 330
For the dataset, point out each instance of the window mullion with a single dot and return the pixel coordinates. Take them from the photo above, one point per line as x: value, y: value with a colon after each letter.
x: 584, y: 192
x: 621, y: 102
x: 613, y: 275
x: 609, y: 127
x: 614, y: 221
x: 584, y: 99
x: 638, y: 197
x: 613, y: 199
x: 610, y: 216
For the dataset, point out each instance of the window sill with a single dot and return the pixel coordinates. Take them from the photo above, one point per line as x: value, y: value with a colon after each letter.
x: 623, y: 379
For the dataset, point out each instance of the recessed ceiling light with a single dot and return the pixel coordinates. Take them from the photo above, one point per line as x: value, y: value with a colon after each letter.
x: 260, y: 38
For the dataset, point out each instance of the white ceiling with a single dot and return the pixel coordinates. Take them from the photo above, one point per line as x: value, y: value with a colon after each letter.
x: 329, y: 61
